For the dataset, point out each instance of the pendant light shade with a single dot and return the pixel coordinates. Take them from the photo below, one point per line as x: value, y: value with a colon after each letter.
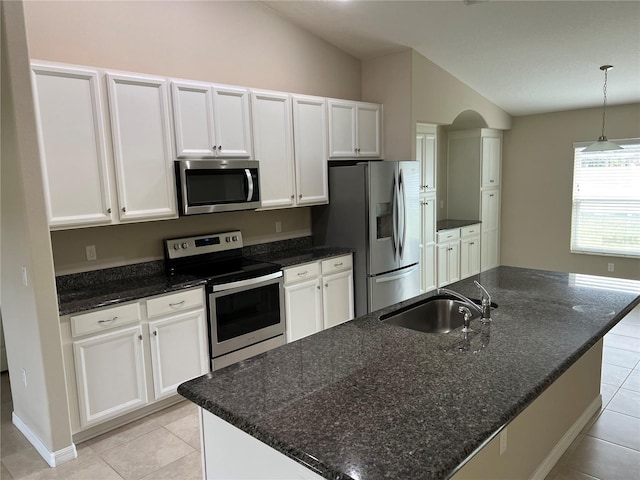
x: 603, y: 144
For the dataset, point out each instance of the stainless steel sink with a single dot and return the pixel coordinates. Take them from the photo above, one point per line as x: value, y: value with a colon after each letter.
x: 434, y: 315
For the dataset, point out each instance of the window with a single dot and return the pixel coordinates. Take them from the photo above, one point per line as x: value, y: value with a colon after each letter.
x: 605, y: 219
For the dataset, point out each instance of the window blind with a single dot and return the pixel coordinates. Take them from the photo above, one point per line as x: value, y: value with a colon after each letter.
x: 605, y: 218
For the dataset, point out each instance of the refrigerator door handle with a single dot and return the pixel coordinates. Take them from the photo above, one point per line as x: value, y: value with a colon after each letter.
x: 391, y: 278
x: 394, y: 218
x: 402, y: 200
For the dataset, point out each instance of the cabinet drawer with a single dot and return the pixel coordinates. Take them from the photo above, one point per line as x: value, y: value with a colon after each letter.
x: 470, y: 230
x: 445, y: 236
x: 337, y: 264
x: 301, y: 272
x: 174, y: 302
x: 106, y: 319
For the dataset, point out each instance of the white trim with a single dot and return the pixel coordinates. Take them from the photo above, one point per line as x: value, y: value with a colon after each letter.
x: 567, y: 439
x: 52, y: 458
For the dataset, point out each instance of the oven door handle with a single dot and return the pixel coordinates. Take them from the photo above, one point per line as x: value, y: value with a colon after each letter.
x: 247, y: 172
x: 245, y: 283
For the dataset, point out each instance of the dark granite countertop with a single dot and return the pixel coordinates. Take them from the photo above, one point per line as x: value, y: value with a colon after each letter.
x: 102, y: 288
x: 290, y: 258
x: 449, y: 223
x: 368, y: 400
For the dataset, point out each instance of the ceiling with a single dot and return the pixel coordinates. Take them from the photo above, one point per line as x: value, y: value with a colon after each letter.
x: 525, y: 56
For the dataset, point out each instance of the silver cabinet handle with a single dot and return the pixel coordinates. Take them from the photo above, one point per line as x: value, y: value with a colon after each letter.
x: 155, y: 333
x: 326, y: 285
x: 124, y: 209
x: 176, y: 304
x: 491, y: 195
x: 337, y: 264
x: 109, y: 320
x: 318, y: 287
x: 109, y: 211
x: 302, y: 274
x: 140, y: 337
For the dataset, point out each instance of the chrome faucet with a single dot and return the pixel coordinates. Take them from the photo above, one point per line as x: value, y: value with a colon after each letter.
x: 484, y: 310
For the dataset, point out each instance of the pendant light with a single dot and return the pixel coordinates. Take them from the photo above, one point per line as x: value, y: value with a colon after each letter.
x: 603, y: 144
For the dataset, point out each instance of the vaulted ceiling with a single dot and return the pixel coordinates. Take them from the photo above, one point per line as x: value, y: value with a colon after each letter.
x: 525, y: 56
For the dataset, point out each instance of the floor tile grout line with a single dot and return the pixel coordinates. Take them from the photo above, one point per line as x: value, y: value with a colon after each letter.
x: 612, y: 443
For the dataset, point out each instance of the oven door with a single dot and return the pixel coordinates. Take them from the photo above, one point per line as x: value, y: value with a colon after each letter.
x: 246, y: 312
x: 209, y: 186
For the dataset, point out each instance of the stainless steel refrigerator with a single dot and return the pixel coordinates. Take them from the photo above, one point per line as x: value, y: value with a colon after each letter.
x: 374, y: 209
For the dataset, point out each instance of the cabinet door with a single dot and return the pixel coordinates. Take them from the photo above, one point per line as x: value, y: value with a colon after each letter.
x: 337, y: 298
x: 453, y: 251
x: 426, y: 155
x: 179, y: 351
x: 491, y: 155
x: 69, y: 112
x: 428, y: 219
x: 428, y: 267
x: 490, y: 213
x: 110, y: 375
x: 369, y: 132
x: 273, y: 146
x: 490, y: 250
x: 310, y: 150
x: 142, y: 147
x: 232, y: 122
x: 303, y: 309
x: 443, y: 265
x: 342, y: 129
x: 469, y: 257
x: 193, y: 119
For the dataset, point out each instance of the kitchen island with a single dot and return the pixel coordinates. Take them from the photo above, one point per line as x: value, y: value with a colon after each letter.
x: 368, y: 400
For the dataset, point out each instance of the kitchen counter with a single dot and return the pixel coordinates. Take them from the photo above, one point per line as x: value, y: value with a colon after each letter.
x: 102, y: 288
x: 449, y: 223
x: 368, y: 400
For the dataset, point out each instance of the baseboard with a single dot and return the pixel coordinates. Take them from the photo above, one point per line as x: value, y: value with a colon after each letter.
x: 52, y: 458
x: 567, y: 439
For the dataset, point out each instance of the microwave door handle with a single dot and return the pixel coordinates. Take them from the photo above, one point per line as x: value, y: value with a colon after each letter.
x: 247, y: 172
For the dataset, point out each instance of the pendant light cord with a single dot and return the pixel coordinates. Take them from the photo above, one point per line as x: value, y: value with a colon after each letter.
x: 604, y: 105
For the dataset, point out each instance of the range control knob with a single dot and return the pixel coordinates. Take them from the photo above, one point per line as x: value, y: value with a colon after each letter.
x: 185, y: 245
x: 227, y: 239
x: 235, y: 238
x: 176, y: 246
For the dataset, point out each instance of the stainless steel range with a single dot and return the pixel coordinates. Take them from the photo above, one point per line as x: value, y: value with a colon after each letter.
x: 244, y: 297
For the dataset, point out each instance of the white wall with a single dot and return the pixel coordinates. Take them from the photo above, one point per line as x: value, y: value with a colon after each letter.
x: 537, y: 180
x: 29, y: 312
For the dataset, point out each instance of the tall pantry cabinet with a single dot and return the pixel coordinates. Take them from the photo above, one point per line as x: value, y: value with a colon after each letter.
x: 426, y: 154
x: 474, y: 166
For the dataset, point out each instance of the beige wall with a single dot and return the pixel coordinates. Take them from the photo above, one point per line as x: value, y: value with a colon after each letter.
x: 240, y: 43
x: 29, y: 312
x: 537, y: 176
x: 387, y: 80
x: 415, y: 90
x: 143, y: 240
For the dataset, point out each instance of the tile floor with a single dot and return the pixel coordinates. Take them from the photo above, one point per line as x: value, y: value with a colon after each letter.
x: 166, y: 445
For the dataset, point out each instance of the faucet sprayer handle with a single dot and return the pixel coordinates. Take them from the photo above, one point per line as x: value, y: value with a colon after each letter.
x: 467, y: 318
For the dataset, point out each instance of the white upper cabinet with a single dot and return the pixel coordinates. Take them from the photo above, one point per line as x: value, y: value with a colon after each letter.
x: 140, y: 124
x: 69, y: 111
x: 272, y: 137
x: 211, y: 120
x: 426, y: 151
x: 491, y: 160
x: 310, y: 150
x: 355, y: 129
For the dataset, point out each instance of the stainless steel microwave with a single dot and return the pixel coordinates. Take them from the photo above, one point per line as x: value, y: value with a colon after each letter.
x: 209, y: 186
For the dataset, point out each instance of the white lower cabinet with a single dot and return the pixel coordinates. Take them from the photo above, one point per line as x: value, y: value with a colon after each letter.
x: 448, y: 256
x: 110, y: 374
x: 469, y: 251
x: 122, y: 358
x: 318, y: 295
x: 428, y: 243
x: 178, y: 351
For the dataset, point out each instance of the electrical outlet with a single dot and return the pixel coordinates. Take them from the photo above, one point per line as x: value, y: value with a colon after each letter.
x: 91, y: 252
x: 503, y: 441
x: 278, y: 226
x: 610, y: 267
